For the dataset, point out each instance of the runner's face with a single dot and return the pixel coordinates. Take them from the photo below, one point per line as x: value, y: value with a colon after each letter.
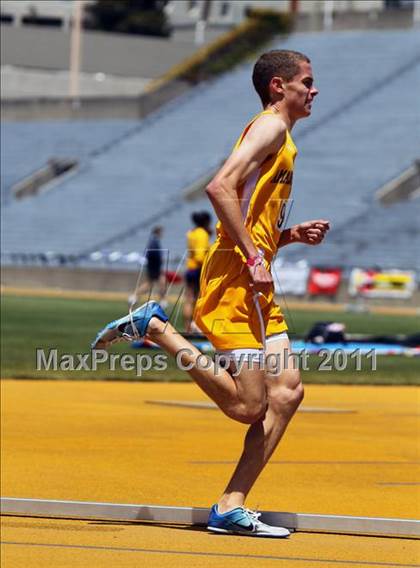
x: 300, y: 91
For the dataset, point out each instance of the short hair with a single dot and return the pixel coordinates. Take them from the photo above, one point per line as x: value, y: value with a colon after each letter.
x: 282, y: 62
x: 201, y: 219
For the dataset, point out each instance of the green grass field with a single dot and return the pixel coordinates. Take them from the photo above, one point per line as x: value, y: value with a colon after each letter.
x: 69, y: 325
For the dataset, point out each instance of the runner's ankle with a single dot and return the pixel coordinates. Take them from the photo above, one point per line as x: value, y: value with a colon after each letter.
x: 226, y: 506
x: 156, y: 326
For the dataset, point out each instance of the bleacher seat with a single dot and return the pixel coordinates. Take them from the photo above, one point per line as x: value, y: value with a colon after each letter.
x: 27, y: 146
x: 364, y: 130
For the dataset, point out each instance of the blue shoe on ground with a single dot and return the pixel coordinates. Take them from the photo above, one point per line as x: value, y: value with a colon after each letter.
x: 243, y: 522
x: 130, y: 327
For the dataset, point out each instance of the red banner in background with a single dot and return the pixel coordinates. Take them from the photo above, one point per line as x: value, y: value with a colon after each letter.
x: 324, y: 281
x: 172, y: 277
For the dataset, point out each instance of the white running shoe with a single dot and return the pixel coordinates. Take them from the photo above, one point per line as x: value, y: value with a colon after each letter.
x: 244, y: 522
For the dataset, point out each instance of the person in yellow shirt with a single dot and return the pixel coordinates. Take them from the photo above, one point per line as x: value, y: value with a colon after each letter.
x: 197, y: 247
x: 236, y: 307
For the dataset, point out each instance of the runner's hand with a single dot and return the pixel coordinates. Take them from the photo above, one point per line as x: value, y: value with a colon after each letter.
x: 310, y: 232
x: 260, y: 277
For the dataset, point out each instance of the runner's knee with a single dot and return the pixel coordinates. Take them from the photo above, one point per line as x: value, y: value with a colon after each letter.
x: 254, y: 413
x: 288, y: 393
x: 298, y: 393
x: 250, y: 412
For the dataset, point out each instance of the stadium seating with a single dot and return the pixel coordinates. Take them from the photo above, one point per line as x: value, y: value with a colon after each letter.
x: 27, y: 146
x: 382, y: 237
x: 364, y: 130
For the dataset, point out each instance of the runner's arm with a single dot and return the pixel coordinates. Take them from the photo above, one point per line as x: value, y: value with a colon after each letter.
x: 309, y: 233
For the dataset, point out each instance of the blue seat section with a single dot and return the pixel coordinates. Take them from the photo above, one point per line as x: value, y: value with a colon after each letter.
x: 27, y: 146
x: 364, y: 131
x: 382, y: 237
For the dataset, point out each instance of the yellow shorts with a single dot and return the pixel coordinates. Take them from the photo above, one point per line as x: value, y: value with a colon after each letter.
x: 225, y: 310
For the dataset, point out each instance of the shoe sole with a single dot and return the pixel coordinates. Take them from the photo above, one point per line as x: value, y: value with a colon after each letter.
x: 246, y: 533
x: 109, y: 336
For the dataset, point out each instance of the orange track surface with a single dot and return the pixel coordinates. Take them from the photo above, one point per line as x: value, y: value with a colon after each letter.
x: 102, y: 442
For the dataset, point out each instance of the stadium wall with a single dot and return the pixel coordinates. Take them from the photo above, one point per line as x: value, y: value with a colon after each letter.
x: 92, y: 107
x: 389, y: 19
x: 124, y: 281
x: 211, y: 60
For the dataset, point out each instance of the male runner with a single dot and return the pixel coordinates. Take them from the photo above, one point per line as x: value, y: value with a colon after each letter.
x: 236, y: 308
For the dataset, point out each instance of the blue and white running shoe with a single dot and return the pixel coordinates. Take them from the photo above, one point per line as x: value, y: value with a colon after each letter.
x: 130, y: 327
x: 244, y: 522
